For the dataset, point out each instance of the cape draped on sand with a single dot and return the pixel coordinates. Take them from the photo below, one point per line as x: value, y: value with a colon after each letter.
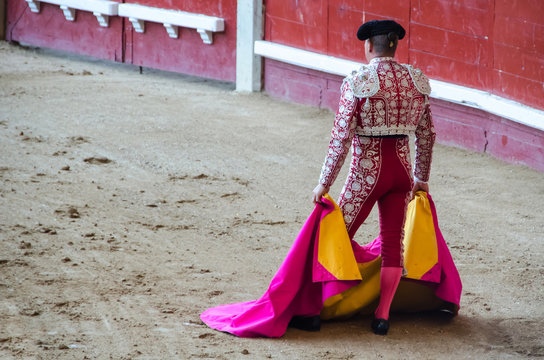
x: 327, y: 274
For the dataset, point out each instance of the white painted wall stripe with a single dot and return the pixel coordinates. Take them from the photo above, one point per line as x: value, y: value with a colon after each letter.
x: 440, y: 90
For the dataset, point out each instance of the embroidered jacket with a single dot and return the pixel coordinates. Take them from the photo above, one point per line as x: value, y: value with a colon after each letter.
x: 382, y: 98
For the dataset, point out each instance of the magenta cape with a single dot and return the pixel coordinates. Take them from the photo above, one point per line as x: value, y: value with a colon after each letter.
x: 315, y: 272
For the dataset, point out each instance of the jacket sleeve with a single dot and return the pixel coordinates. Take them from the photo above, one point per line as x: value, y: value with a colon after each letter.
x: 341, y: 136
x: 424, y: 140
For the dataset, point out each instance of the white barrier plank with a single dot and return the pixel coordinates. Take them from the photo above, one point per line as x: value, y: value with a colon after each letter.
x: 102, y: 9
x: 100, y: 6
x: 171, y: 19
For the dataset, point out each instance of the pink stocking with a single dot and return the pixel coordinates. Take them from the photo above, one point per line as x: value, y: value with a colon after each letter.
x: 389, y: 280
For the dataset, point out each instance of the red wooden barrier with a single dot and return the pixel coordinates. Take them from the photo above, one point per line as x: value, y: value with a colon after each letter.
x: 50, y: 29
x: 491, y: 45
x: 187, y: 54
x: 119, y: 42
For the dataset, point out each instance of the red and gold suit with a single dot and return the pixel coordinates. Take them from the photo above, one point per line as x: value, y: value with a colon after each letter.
x: 380, y: 105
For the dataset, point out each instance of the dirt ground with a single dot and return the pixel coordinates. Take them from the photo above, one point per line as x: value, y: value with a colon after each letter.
x: 130, y: 202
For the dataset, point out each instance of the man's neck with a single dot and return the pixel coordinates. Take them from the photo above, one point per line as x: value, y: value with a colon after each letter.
x: 375, y: 59
x: 371, y: 57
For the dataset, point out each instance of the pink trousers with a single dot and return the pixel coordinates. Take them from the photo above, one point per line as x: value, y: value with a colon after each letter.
x: 380, y: 171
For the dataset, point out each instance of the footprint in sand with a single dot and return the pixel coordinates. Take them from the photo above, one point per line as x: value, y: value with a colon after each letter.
x: 78, y: 140
x: 97, y: 160
x: 71, y: 212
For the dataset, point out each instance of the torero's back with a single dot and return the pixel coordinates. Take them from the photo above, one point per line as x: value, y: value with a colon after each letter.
x: 392, y: 98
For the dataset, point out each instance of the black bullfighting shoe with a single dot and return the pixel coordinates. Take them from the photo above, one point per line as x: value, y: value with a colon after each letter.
x: 380, y: 326
x: 306, y: 323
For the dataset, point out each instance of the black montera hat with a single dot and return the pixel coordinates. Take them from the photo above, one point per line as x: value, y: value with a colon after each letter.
x: 379, y: 27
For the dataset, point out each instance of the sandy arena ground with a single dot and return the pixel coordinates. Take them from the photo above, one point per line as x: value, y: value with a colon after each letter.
x: 129, y: 203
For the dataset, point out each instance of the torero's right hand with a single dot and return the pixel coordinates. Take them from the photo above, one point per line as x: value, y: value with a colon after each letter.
x: 419, y: 185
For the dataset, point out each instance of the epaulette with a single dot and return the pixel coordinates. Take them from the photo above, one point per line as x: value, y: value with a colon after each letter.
x: 420, y: 80
x: 364, y: 82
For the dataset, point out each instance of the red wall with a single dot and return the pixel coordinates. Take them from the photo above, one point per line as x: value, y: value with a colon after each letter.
x: 491, y: 45
x: 456, y: 125
x: 119, y: 42
x: 187, y: 54
x: 480, y: 131
x: 50, y: 29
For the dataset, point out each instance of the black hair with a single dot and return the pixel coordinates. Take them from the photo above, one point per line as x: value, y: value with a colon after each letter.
x: 385, y: 44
